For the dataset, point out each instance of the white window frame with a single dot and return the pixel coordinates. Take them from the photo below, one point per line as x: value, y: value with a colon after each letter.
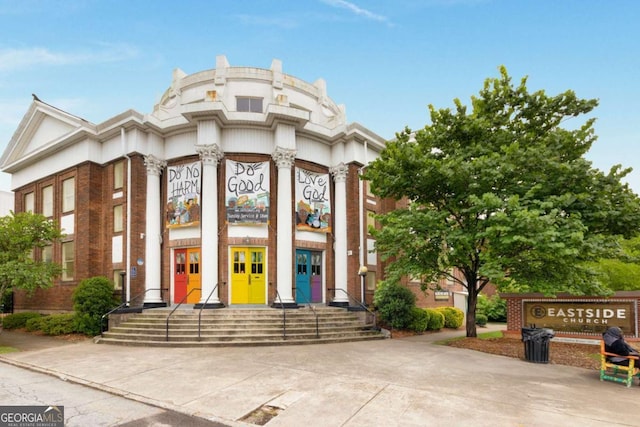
x: 47, y: 201
x: 68, y: 195
x: 255, y: 104
x: 68, y: 260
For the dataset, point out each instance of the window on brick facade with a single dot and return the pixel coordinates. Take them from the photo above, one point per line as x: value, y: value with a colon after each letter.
x: 47, y: 201
x: 117, y: 219
x: 371, y: 221
x: 118, y: 279
x: 68, y: 257
x: 249, y: 104
x: 68, y: 195
x: 47, y: 254
x: 118, y: 175
x: 367, y: 186
x: 371, y: 280
x: 28, y: 202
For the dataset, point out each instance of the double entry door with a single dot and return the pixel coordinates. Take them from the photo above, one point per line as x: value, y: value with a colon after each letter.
x: 308, y: 276
x: 186, y: 275
x: 248, y: 275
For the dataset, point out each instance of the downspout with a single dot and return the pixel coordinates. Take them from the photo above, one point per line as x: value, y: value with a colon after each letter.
x: 363, y: 223
x: 128, y: 261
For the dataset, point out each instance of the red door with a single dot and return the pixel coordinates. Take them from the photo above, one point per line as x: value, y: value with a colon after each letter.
x: 180, y: 277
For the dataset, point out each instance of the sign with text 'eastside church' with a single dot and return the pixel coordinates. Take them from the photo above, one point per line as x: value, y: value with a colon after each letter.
x: 247, y: 193
x: 183, y: 195
x: 581, y: 316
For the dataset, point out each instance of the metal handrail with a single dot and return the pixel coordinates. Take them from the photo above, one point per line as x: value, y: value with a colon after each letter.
x: 284, y: 317
x: 351, y: 297
x: 202, y: 307
x: 125, y: 304
x: 176, y: 307
x: 315, y: 313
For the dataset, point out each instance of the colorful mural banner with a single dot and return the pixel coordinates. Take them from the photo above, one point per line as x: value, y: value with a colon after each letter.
x: 247, y: 193
x: 183, y: 195
x: 313, y: 202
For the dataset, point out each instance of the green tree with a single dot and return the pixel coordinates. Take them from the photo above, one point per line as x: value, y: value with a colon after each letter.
x: 504, y: 194
x: 20, y: 233
x: 622, y: 274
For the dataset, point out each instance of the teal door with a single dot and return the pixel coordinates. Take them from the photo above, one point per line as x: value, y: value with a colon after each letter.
x: 303, y: 276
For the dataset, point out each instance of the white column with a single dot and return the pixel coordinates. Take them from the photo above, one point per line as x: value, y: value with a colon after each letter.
x: 284, y: 159
x: 210, y: 156
x: 153, y: 232
x: 339, y: 173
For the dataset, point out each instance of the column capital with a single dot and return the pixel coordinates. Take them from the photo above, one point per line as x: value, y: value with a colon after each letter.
x: 154, y: 165
x: 339, y: 172
x: 284, y: 157
x: 210, y: 154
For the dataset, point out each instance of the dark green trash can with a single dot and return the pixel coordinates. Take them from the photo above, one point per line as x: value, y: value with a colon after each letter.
x: 536, y: 344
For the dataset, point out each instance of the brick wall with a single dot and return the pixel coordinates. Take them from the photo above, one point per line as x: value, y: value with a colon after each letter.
x: 515, y: 315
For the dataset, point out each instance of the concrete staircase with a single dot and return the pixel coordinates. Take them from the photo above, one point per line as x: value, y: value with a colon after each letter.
x: 240, y: 327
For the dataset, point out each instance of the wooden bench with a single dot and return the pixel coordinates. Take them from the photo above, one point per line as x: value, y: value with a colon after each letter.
x: 618, y: 373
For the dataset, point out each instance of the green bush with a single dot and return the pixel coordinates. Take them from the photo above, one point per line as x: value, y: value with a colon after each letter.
x: 495, y: 308
x: 394, y: 303
x: 34, y: 324
x: 91, y: 300
x: 58, y: 324
x: 18, y: 320
x: 453, y: 317
x: 481, y: 319
x: 436, y: 319
x: 419, y: 320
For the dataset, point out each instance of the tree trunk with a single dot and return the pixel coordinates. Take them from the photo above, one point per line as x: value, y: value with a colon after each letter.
x: 472, y: 301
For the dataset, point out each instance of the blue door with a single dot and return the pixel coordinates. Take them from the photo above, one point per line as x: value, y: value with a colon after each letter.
x: 303, y: 276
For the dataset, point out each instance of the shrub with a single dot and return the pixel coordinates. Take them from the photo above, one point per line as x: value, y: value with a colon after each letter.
x: 419, y: 320
x: 394, y: 303
x: 436, y: 319
x: 495, y: 308
x: 18, y: 320
x: 58, y: 324
x: 481, y: 319
x: 91, y: 300
x: 453, y: 317
x: 34, y: 324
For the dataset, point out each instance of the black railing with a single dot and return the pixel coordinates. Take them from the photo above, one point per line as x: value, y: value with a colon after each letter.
x: 175, y: 308
x: 284, y: 316
x: 202, y: 308
x: 315, y: 313
x: 358, y: 303
x: 124, y: 304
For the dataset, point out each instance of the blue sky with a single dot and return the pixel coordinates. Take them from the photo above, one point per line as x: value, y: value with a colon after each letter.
x: 385, y: 60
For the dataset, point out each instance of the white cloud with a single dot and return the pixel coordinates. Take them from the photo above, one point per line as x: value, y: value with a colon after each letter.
x: 15, y: 59
x: 357, y: 10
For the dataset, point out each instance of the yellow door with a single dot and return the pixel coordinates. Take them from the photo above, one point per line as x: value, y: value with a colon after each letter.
x: 248, y: 283
x: 193, y: 284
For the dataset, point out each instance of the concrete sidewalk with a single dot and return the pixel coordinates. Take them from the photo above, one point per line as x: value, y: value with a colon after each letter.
x: 397, y: 382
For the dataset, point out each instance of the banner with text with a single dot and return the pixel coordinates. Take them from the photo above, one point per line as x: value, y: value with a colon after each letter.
x: 183, y: 195
x: 313, y: 202
x: 247, y: 192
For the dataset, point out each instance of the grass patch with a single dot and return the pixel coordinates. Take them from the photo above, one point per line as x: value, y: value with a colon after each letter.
x: 7, y: 350
x: 481, y: 336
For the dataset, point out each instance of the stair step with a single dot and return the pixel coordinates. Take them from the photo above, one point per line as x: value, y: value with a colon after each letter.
x: 243, y: 343
x: 242, y: 327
